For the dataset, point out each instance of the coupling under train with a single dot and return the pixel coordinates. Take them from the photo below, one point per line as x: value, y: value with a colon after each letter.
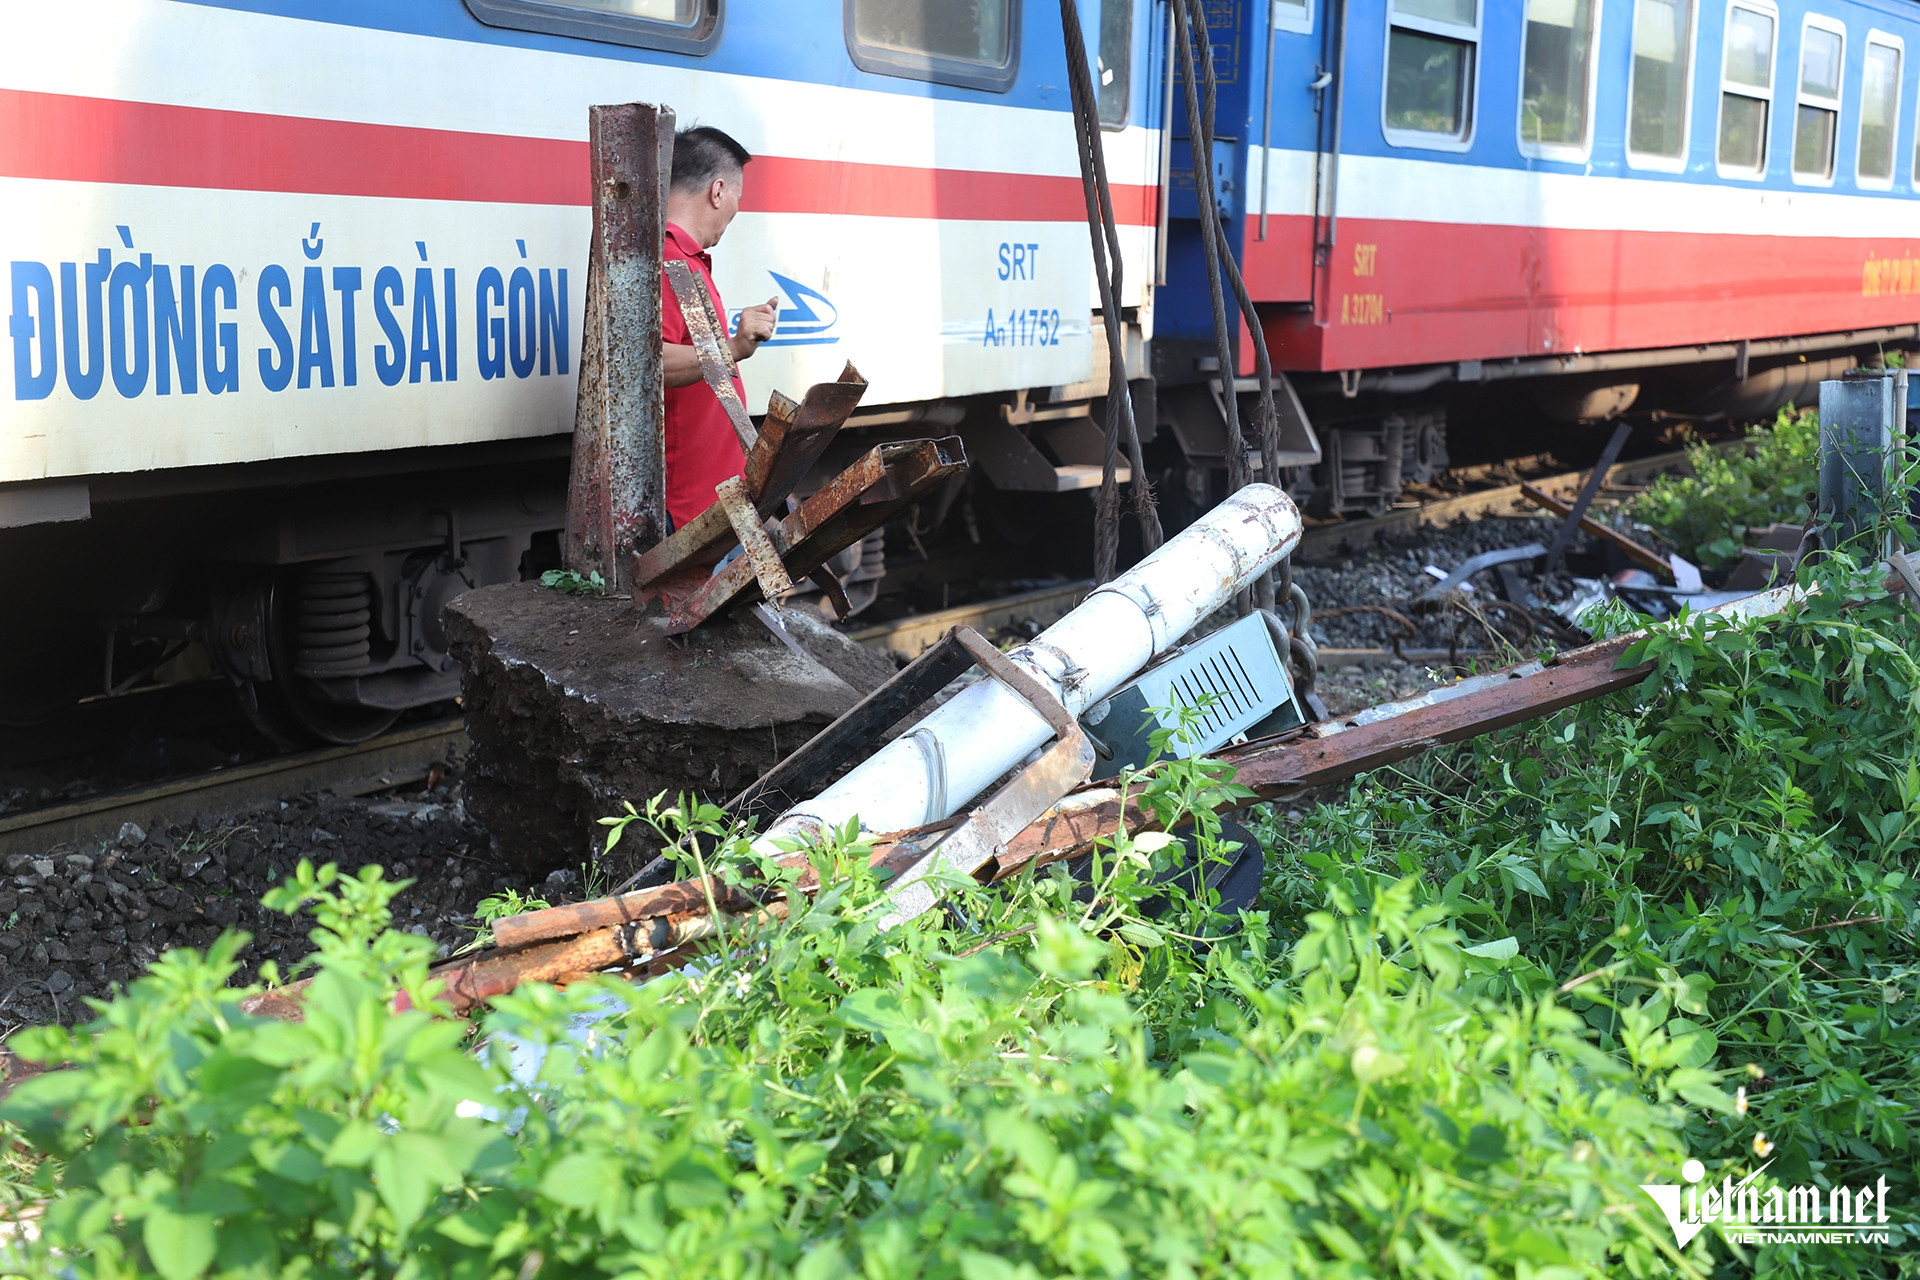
x: 295, y: 287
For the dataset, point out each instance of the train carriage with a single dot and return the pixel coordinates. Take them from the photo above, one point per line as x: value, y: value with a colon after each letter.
x: 295, y: 289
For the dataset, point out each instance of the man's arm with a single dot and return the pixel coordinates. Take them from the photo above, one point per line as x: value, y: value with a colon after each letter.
x: 681, y: 364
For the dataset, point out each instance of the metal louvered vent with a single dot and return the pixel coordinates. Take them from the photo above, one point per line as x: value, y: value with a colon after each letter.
x: 333, y: 623
x: 1232, y: 680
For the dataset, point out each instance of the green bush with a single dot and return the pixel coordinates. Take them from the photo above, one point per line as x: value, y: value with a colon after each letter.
x: 1731, y: 849
x: 1032, y: 1084
x: 1484, y: 1000
x: 1704, y: 516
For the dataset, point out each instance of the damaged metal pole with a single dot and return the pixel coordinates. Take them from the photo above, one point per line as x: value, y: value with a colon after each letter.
x: 616, y: 498
x: 960, y: 749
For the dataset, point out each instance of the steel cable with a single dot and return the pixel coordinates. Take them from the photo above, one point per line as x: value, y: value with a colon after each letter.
x: 1108, y: 273
x: 1191, y: 27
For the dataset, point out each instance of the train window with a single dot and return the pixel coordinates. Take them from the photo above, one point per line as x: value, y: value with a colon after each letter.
x: 1816, y: 119
x: 1113, y: 62
x: 1879, y: 109
x: 1556, y: 78
x: 1746, y: 90
x: 1661, y: 81
x: 971, y: 43
x: 1292, y: 15
x: 1432, y: 47
x: 681, y: 26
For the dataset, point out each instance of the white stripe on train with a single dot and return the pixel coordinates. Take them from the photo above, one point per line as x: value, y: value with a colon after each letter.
x: 205, y: 56
x: 1403, y: 188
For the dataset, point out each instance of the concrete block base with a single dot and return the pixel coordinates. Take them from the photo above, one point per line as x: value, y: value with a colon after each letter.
x: 576, y: 704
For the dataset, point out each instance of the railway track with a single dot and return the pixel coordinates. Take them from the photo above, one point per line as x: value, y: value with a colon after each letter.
x: 1500, y: 500
x: 907, y: 637
x: 379, y: 764
x: 406, y: 756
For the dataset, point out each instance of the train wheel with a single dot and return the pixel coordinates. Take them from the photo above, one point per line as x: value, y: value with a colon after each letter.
x: 289, y: 709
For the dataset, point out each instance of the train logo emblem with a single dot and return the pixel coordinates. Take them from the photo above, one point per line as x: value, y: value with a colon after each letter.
x: 808, y: 322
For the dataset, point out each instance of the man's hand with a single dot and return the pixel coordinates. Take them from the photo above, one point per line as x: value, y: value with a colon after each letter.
x: 756, y: 326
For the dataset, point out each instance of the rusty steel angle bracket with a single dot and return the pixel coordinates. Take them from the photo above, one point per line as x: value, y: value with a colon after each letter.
x: 755, y: 547
x: 982, y: 836
x: 716, y: 365
x: 792, y: 437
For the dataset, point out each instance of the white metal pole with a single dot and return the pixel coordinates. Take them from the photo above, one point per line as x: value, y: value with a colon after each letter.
x: 959, y: 749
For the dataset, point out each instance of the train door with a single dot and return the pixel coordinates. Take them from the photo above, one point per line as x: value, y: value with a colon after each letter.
x: 1260, y: 171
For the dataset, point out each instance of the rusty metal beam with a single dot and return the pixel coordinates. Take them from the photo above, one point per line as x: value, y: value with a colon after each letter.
x: 877, y: 487
x: 616, y: 496
x: 621, y: 908
x: 792, y: 442
x: 716, y: 361
x: 1644, y: 556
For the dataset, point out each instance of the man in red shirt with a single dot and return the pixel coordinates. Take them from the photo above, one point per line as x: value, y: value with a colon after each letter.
x: 709, y: 169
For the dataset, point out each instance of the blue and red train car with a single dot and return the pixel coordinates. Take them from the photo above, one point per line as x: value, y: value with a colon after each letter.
x: 295, y: 288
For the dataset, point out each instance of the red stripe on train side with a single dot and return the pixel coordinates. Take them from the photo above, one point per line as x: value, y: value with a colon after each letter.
x: 1405, y: 293
x: 74, y: 139
x: 781, y: 184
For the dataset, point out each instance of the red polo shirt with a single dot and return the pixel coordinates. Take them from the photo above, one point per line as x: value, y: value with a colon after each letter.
x: 702, y: 449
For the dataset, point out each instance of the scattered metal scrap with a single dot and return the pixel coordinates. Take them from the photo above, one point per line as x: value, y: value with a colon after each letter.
x: 1576, y: 514
x: 1644, y: 556
x: 1486, y: 560
x: 689, y: 571
x: 648, y: 932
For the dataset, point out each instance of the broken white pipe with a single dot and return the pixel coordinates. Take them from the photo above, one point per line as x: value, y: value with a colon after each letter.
x: 960, y: 748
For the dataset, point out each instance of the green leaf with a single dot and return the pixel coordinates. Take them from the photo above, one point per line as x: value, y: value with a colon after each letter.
x: 355, y: 1144
x: 579, y: 1181
x: 182, y: 1245
x: 1525, y: 877
x: 405, y: 1184
x: 1501, y: 949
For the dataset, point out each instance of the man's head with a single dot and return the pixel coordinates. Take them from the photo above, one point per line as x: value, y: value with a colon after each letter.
x: 708, y: 171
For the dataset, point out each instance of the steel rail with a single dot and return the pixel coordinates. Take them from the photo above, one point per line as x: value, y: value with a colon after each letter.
x: 1326, y: 539
x: 908, y: 637
x: 378, y: 764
